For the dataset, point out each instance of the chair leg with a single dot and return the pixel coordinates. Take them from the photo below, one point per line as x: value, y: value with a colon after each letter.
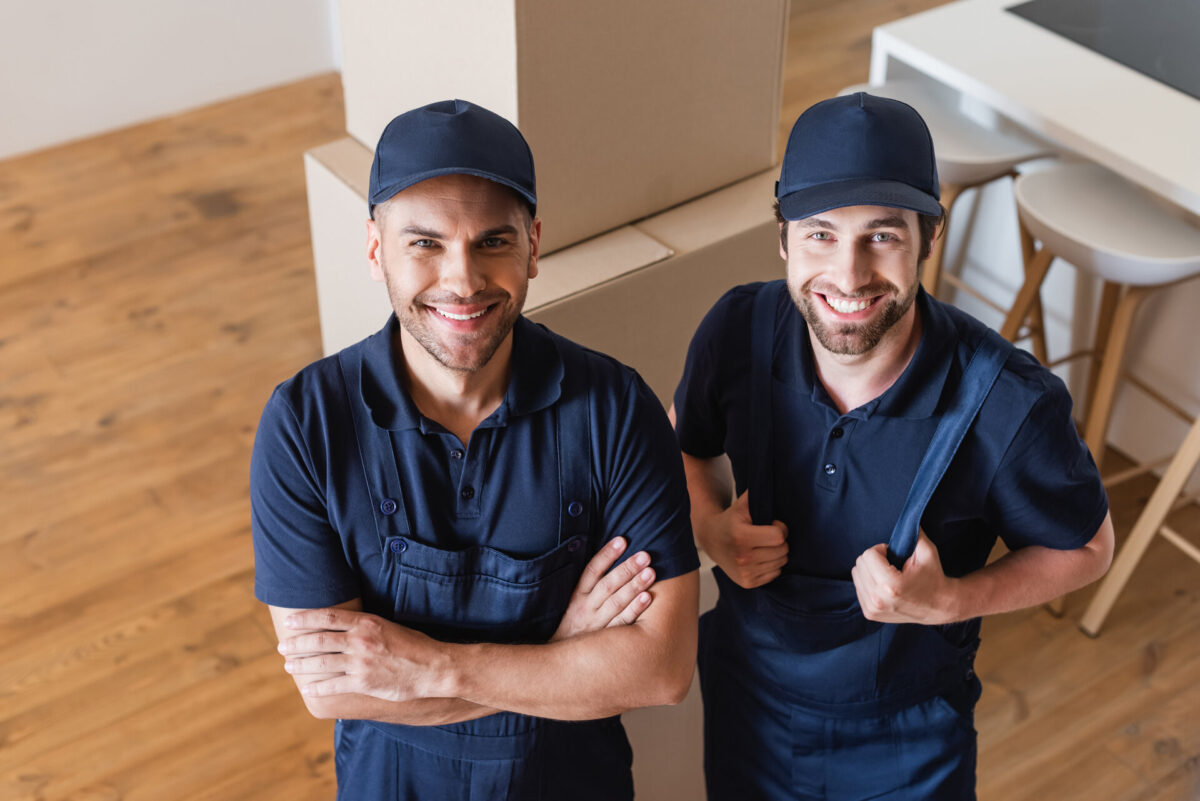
x: 1147, y: 525
x: 931, y: 274
x: 1104, y: 323
x: 1100, y: 412
x: 1035, y: 273
x: 1037, y: 318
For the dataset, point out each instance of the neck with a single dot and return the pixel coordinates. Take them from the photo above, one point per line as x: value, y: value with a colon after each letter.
x: 852, y: 381
x: 457, y: 400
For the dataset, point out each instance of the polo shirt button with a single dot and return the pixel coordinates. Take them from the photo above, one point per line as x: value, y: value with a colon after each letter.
x: 399, y: 546
x: 830, y: 469
x: 574, y: 508
x: 574, y: 545
x: 467, y: 493
x: 387, y: 506
x: 836, y: 432
x: 457, y: 453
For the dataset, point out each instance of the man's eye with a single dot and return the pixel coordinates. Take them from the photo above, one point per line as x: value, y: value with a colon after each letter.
x: 493, y: 242
x: 883, y: 236
x: 821, y: 236
x: 423, y: 243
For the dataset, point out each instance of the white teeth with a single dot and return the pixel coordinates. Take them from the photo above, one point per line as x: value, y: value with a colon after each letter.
x: 847, y: 306
x: 452, y: 316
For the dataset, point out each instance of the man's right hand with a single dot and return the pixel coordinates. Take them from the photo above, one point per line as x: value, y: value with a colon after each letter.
x: 604, y: 598
x: 750, y: 555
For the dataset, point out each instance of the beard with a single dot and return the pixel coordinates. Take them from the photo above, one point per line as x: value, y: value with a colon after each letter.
x: 459, y: 352
x: 854, y: 338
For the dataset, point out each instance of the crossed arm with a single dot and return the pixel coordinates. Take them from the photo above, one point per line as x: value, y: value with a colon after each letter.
x: 620, y: 646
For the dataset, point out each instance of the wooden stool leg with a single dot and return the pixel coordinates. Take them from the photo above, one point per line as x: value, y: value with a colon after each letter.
x: 1104, y: 323
x: 1037, y: 319
x: 1035, y: 273
x: 1147, y: 525
x: 1100, y: 411
x: 931, y: 274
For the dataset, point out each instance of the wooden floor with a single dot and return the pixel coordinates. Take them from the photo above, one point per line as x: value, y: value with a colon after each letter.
x: 155, y: 283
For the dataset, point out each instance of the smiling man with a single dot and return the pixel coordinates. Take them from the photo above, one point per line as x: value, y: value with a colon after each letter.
x: 816, y: 417
x: 438, y: 509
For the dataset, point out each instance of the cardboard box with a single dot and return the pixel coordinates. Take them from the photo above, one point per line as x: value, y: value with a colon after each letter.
x: 646, y: 318
x: 352, y: 305
x: 630, y: 106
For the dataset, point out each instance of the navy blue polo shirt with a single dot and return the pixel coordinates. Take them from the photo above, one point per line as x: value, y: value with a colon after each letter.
x: 312, y: 549
x: 1021, y: 474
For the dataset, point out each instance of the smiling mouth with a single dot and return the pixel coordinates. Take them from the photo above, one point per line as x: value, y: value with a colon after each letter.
x: 460, y: 317
x: 848, y: 305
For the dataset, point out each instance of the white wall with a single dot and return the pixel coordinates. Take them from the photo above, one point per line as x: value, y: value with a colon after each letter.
x: 74, y: 68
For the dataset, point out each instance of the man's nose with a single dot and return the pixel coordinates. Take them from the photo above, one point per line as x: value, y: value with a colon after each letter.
x: 461, y: 272
x: 850, y: 268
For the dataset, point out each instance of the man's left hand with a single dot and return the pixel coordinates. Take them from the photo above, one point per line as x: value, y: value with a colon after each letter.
x: 370, y: 655
x: 921, y: 593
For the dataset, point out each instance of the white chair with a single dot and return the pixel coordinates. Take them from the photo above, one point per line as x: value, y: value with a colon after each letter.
x: 968, y: 155
x: 1099, y: 222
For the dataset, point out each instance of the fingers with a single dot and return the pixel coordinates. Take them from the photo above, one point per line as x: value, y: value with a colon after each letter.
x: 876, y: 583
x: 764, y: 573
x: 633, y: 610
x: 317, y: 642
x: 320, y: 663
x: 617, y: 605
x: 599, y: 564
x: 623, y: 574
x: 332, y: 619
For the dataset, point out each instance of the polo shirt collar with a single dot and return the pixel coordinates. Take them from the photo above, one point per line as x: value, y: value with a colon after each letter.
x: 534, y: 384
x: 914, y: 395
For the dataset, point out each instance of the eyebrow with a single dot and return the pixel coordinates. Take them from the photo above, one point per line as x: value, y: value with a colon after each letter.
x: 416, y: 230
x: 893, y: 221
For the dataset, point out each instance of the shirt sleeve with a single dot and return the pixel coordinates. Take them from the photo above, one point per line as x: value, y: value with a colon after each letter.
x: 1047, y: 490
x: 699, y: 418
x: 299, y: 561
x: 645, y: 495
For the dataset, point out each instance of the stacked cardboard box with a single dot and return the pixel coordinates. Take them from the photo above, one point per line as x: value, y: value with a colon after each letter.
x: 653, y: 125
x: 630, y: 106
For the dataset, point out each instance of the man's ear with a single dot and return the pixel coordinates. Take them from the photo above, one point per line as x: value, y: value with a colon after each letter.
x: 535, y: 238
x: 375, y: 249
x: 783, y: 243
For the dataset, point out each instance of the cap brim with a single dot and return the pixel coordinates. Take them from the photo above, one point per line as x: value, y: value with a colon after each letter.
x: 812, y: 200
x: 390, y: 191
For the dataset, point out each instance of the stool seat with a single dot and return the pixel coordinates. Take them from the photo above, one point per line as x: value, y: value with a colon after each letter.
x: 967, y: 153
x: 1099, y: 222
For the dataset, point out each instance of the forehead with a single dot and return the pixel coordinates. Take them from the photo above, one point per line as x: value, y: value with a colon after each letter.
x: 862, y: 217
x: 457, y: 196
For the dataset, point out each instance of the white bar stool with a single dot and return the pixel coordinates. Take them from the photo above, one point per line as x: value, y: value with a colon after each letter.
x: 1166, y: 499
x: 968, y: 155
x: 1097, y: 221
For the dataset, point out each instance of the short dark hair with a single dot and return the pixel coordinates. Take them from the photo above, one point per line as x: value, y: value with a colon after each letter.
x: 927, y: 225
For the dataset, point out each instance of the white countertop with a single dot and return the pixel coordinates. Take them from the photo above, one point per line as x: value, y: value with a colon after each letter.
x: 1072, y: 96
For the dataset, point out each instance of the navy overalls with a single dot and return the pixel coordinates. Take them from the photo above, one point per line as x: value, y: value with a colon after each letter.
x: 355, y: 494
x: 481, y: 594
x: 793, y: 709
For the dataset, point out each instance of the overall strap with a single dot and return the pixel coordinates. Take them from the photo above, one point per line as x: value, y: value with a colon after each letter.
x: 760, y: 473
x: 377, y: 454
x: 574, y: 442
x: 977, y: 381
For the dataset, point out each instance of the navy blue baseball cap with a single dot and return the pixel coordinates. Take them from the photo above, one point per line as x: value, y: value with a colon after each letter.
x: 858, y: 150
x: 446, y: 138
